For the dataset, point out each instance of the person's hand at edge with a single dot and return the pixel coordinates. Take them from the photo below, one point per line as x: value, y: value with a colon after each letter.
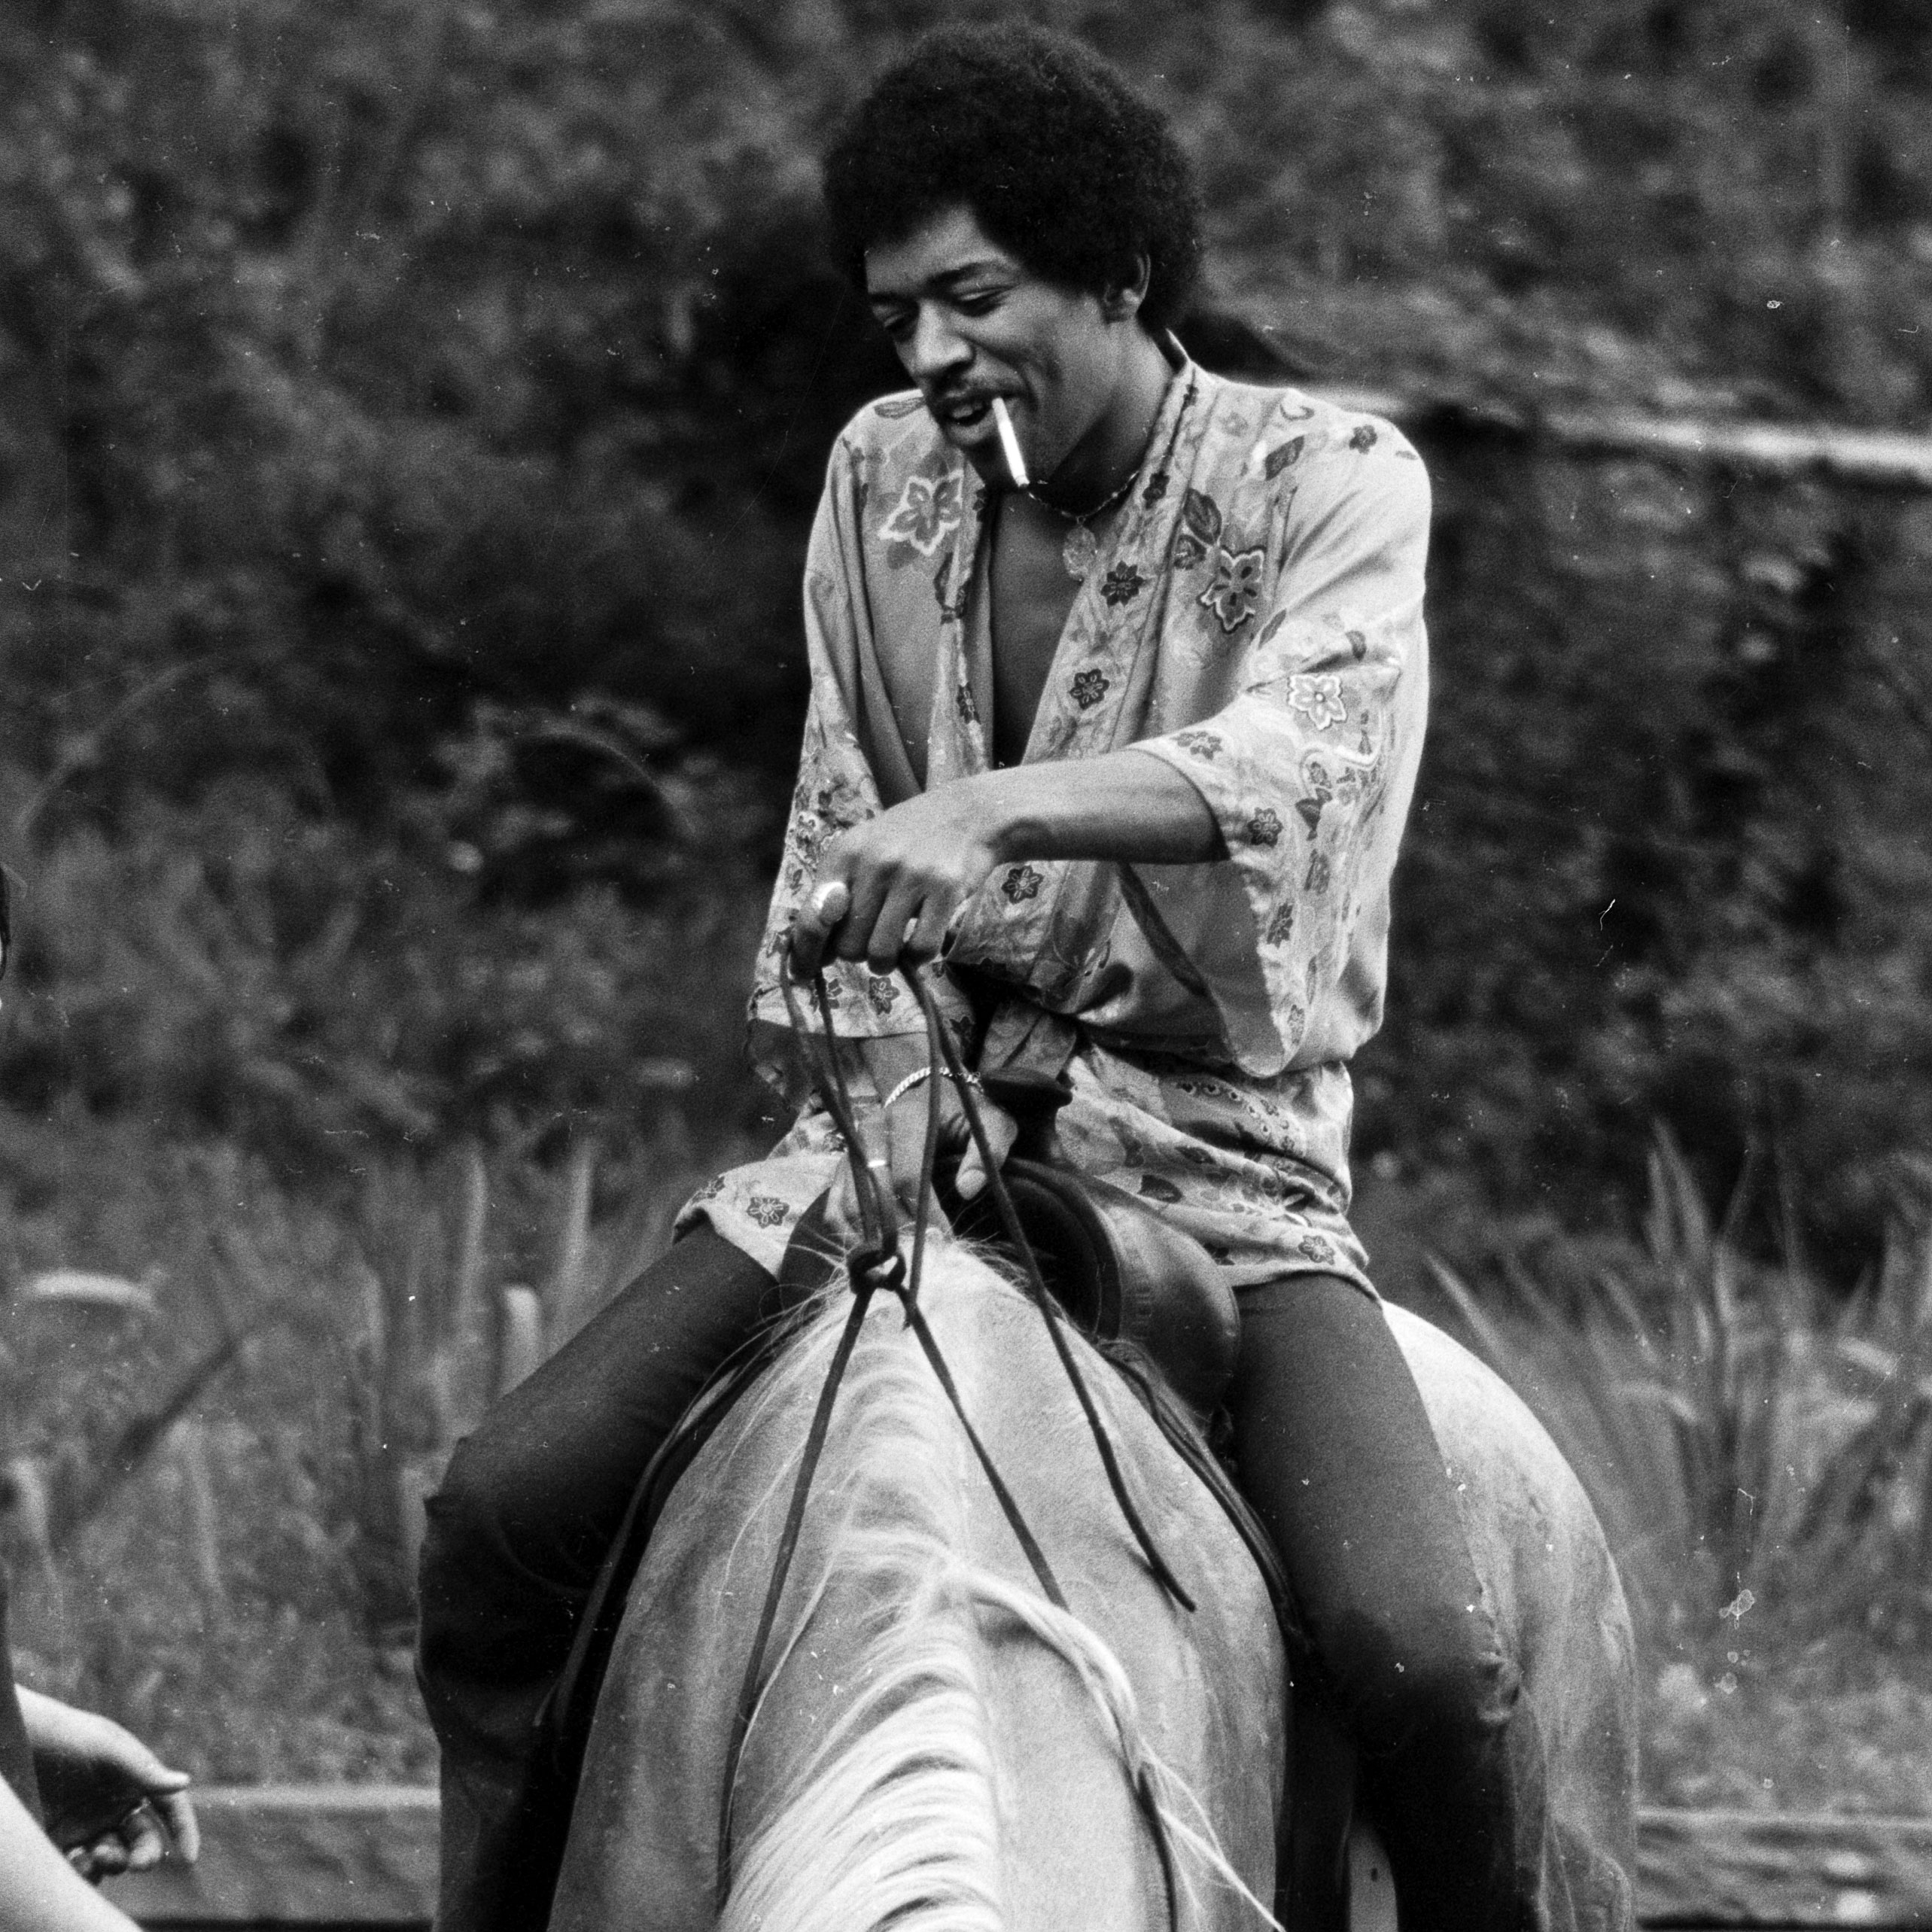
x: 111, y: 1805
x: 39, y: 1890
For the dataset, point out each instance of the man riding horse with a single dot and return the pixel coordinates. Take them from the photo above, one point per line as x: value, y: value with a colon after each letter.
x: 1118, y: 683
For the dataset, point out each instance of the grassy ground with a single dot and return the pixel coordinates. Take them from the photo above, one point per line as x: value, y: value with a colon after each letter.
x: 231, y: 1579
x: 1838, y: 1724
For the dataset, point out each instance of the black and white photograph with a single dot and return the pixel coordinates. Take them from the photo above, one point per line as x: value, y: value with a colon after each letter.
x: 966, y: 968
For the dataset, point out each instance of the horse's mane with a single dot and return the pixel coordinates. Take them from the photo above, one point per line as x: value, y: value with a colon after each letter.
x: 893, y: 1818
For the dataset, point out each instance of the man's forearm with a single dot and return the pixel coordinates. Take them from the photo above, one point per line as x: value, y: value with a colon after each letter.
x: 893, y: 883
x: 1128, y: 805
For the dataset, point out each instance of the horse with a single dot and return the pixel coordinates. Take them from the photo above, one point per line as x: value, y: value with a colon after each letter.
x: 937, y: 1745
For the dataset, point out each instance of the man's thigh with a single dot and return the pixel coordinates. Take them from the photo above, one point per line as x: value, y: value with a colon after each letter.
x: 1338, y: 1456
x: 547, y: 1476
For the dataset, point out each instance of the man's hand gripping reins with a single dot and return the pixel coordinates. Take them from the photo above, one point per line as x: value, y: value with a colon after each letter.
x: 898, y: 1071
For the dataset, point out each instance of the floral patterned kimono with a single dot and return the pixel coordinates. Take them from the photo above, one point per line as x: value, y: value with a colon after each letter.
x: 1254, y: 620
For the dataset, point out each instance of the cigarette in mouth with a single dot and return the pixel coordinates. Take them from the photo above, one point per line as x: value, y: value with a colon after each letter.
x: 1009, y: 444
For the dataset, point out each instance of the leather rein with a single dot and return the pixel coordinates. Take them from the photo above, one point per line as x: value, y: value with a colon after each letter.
x: 876, y: 1265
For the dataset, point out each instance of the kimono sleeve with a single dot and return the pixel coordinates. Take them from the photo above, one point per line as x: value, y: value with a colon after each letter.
x: 836, y: 790
x: 1309, y: 769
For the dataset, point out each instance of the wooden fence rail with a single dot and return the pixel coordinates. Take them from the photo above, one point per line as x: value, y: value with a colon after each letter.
x: 1897, y: 461
x: 347, y: 1856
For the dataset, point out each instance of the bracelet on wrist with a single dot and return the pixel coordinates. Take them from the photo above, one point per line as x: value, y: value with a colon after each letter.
x: 920, y: 1075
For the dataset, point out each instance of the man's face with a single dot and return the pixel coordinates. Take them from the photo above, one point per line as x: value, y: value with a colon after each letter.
x: 971, y: 322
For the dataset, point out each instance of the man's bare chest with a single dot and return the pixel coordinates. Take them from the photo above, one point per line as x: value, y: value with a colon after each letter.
x: 1031, y: 596
x: 1028, y: 594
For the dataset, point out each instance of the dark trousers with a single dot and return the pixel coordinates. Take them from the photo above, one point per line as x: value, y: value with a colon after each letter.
x: 1336, y: 1455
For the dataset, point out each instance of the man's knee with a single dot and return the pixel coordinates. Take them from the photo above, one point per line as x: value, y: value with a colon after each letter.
x: 469, y: 1508
x: 472, y: 1572
x: 1439, y: 1680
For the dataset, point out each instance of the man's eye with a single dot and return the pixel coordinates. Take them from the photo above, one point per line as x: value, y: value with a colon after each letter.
x: 979, y: 305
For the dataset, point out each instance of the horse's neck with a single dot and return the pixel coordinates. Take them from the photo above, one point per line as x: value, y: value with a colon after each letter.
x: 936, y: 1745
x: 1021, y: 1725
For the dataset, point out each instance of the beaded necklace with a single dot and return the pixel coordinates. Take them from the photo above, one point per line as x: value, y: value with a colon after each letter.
x: 1081, y: 546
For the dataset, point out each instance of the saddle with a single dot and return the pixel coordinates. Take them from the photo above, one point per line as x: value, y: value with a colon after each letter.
x: 1123, y: 1274
x: 1120, y: 1271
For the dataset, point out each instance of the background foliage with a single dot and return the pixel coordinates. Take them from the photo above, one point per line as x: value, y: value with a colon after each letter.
x: 410, y: 415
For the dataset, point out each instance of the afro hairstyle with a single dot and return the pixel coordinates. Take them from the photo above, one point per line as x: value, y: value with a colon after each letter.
x: 1061, y: 162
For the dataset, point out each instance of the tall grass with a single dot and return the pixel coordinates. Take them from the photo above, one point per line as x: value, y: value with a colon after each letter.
x: 226, y: 1400
x: 1750, y: 1441
x: 222, y: 1420
x: 444, y: 1329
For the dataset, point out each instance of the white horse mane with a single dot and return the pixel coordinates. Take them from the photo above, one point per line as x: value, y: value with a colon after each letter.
x: 892, y: 1820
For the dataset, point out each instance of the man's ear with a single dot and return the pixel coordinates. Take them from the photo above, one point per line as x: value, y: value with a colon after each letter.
x: 1121, y: 301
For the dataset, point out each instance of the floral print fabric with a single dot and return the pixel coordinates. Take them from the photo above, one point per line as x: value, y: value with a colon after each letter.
x: 1254, y: 620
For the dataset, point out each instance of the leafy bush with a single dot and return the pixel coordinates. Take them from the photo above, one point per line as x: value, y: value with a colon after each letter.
x: 1666, y: 859
x: 243, y: 968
